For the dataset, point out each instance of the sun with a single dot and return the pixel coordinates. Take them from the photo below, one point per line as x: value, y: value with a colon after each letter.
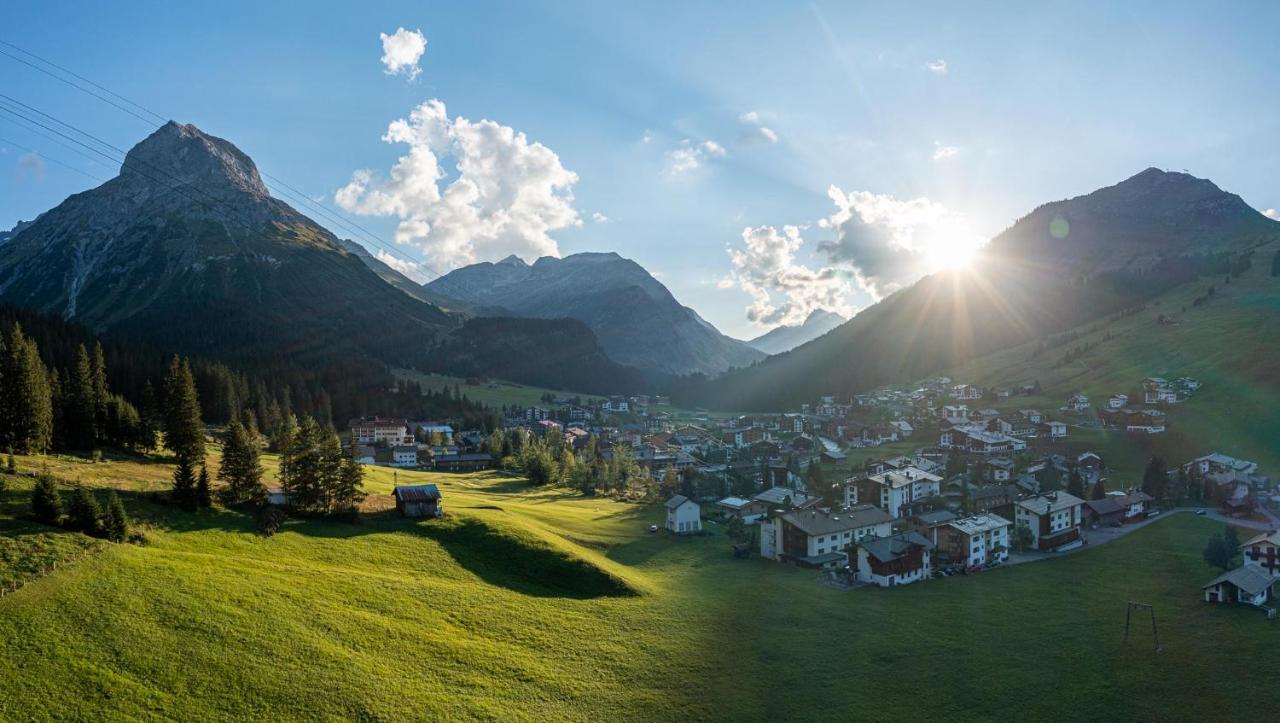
x: 951, y: 245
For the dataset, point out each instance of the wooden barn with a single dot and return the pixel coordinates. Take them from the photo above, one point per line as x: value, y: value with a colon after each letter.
x: 418, y: 501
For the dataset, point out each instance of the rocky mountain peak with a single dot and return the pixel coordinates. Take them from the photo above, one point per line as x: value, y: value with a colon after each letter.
x: 177, y: 154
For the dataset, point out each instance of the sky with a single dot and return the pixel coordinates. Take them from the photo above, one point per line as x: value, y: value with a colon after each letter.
x: 760, y: 159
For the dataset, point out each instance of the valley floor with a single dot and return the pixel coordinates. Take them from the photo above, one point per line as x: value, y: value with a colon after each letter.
x: 529, y: 603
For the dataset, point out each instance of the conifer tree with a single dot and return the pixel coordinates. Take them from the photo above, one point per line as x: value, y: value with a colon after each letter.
x: 301, y: 466
x: 183, y: 429
x: 241, y: 469
x: 148, y: 418
x: 98, y: 376
x: 1099, y: 490
x: 11, y: 464
x: 84, y: 514
x: 46, y: 504
x: 117, y: 522
x: 1075, y: 483
x: 184, y: 485
x: 27, y: 401
x: 81, y: 413
x: 349, y: 492
x: 204, y: 496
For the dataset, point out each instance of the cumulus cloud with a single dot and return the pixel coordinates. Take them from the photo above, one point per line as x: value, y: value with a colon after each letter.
x: 690, y: 156
x: 1272, y: 213
x: 401, y: 52
x: 889, y: 243
x: 503, y: 195
x: 598, y: 217
x: 412, y: 269
x: 755, y: 129
x: 938, y: 66
x: 782, y: 290
x: 942, y: 152
x: 30, y: 166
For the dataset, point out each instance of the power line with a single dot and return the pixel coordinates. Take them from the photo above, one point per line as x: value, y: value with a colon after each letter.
x: 358, y: 231
x: 51, y: 159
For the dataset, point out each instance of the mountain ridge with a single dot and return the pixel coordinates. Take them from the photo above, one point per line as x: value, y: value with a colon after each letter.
x: 785, y: 338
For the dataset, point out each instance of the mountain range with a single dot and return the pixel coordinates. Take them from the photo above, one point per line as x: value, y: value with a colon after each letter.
x: 1063, y: 264
x: 638, y: 321
x: 788, y: 337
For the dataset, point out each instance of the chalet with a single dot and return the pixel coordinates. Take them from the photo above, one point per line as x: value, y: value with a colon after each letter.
x: 380, y: 431
x: 894, y: 489
x: 966, y: 392
x: 1245, y: 585
x: 976, y: 440
x: 404, y: 456
x: 819, y: 538
x: 1117, y: 401
x: 1031, y: 415
x: 1054, y: 519
x: 463, y: 462
x: 742, y: 437
x: 1054, y: 430
x: 928, y: 523
x: 977, y: 540
x: 683, y: 515
x: 737, y: 507
x: 1222, y: 466
x: 363, y: 453
x: 999, y: 469
x: 426, y: 429
x: 898, y: 559
x: 903, y: 428
x: 987, y: 498
x: 1078, y: 402
x: 1145, y: 421
x: 785, y: 498
x: 418, y: 501
x: 1089, y: 465
x: 1263, y: 552
x: 1116, y: 508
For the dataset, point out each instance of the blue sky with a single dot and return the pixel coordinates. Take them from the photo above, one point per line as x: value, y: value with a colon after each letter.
x: 889, y: 140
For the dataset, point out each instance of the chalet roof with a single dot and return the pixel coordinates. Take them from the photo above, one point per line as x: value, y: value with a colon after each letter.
x: 888, y: 549
x: 474, y: 457
x: 416, y: 493
x: 1248, y: 578
x: 676, y: 501
x: 1052, y: 502
x: 1273, y: 537
x: 1106, y: 506
x: 778, y: 495
x: 823, y: 522
x: 935, y: 518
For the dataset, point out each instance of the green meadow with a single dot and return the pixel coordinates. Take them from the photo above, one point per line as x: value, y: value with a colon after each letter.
x: 528, y: 603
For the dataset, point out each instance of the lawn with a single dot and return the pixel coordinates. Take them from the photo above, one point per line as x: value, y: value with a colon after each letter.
x: 528, y: 603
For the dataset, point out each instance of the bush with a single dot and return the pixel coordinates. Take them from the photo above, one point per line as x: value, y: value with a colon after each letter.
x: 270, y: 519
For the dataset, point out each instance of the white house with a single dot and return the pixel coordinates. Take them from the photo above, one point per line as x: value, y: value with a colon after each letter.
x: 819, y: 538
x: 898, y: 559
x: 1054, y: 519
x: 404, y: 456
x: 378, y: 430
x: 1263, y: 552
x: 1245, y: 584
x: 1078, y: 402
x: 684, y: 516
x: 975, y: 540
x: 893, y: 489
x: 1056, y: 430
x: 1118, y: 401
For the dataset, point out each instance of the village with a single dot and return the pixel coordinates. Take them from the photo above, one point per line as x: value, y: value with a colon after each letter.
x: 980, y: 480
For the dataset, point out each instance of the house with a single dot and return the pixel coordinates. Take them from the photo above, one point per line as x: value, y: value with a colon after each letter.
x: 418, y: 500
x: 893, y: 489
x: 898, y: 559
x: 966, y: 391
x: 1245, y: 584
x: 819, y: 538
x: 1078, y: 402
x: 782, y: 498
x: 379, y: 431
x: 1145, y: 421
x: 1054, y: 430
x: 1000, y: 469
x: 404, y: 456
x: 1117, y: 401
x: 277, y: 497
x: 1031, y: 415
x: 739, y: 507
x: 463, y: 462
x: 363, y: 453
x: 1117, y: 507
x: 903, y: 427
x: 1054, y: 519
x: 977, y: 540
x: 1089, y: 465
x: 928, y: 523
x: 684, y: 516
x: 992, y: 497
x: 1263, y: 552
x: 426, y: 429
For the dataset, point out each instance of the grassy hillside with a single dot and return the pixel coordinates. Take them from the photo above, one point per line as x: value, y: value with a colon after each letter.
x: 1231, y: 343
x: 529, y: 603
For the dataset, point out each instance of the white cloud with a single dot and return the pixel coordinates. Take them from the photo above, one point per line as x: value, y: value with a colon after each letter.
x: 412, y: 269
x: 938, y: 66
x: 942, y: 152
x: 782, y: 291
x: 646, y: 138
x: 1272, y: 213
x: 401, y: 52
x: 755, y: 129
x: 31, y: 166
x: 598, y: 217
x: 690, y: 157
x: 890, y: 243
x: 503, y: 195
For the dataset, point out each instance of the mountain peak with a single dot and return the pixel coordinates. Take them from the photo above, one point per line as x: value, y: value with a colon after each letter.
x: 512, y: 260
x: 178, y: 154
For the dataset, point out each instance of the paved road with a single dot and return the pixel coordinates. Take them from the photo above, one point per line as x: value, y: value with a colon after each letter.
x: 1103, y: 535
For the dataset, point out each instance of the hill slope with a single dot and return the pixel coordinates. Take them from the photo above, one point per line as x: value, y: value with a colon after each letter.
x: 1122, y: 244
x: 786, y: 338
x: 638, y: 321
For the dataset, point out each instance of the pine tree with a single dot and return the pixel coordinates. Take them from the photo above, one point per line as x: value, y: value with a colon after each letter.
x: 183, y: 429
x: 27, y: 399
x: 46, y: 504
x: 204, y: 496
x: 1099, y: 490
x: 1075, y: 483
x: 184, y: 485
x: 11, y: 464
x: 81, y: 413
x: 241, y: 470
x: 300, y: 466
x: 1155, y: 480
x: 101, y: 397
x: 331, y: 463
x: 84, y: 514
x: 148, y: 418
x: 117, y: 522
x: 349, y: 492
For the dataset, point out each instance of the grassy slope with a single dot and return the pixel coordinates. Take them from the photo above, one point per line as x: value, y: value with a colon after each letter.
x: 395, y: 619
x: 1231, y: 344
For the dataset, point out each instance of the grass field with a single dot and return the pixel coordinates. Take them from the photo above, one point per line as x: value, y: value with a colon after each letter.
x: 526, y: 603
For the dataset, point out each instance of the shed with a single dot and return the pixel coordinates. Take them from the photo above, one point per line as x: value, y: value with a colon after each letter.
x: 418, y: 501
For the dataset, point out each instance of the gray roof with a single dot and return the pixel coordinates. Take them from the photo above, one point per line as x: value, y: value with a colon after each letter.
x: 777, y: 495
x: 416, y: 493
x: 676, y: 501
x: 822, y: 522
x: 937, y: 517
x: 888, y: 549
x: 1248, y: 578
